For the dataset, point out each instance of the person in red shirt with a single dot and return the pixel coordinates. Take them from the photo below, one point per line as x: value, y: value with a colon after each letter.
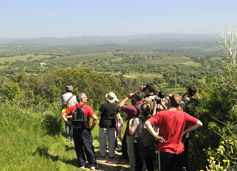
x: 172, y: 125
x: 83, y: 137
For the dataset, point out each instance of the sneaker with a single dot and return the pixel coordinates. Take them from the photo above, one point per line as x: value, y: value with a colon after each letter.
x: 82, y: 167
x: 92, y: 167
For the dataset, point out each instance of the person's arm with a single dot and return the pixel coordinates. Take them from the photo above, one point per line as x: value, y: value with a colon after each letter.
x: 64, y: 117
x: 191, y: 128
x: 132, y: 128
x: 125, y: 100
x: 99, y: 113
x: 152, y: 132
x: 183, y: 95
x: 120, y: 118
x: 94, y: 122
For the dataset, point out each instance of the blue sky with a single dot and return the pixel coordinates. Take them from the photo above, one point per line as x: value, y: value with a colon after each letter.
x: 112, y: 18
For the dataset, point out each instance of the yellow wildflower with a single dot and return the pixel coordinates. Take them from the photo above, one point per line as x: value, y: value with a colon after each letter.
x: 231, y: 142
x: 221, y: 146
x: 221, y: 167
x: 212, y: 158
x: 222, y: 142
x: 224, y: 160
x: 217, y: 165
x: 228, y: 161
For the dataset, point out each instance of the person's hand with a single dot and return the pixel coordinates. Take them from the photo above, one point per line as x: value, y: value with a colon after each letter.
x: 160, y: 138
x: 130, y: 95
x: 141, y: 88
x: 91, y: 127
x: 131, y: 120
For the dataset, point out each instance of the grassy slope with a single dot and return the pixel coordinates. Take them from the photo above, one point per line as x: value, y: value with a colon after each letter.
x: 34, y: 141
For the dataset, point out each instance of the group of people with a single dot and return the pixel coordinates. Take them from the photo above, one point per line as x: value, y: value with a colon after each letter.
x: 164, y: 118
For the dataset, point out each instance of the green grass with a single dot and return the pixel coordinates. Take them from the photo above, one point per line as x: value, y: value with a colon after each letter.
x: 36, y: 141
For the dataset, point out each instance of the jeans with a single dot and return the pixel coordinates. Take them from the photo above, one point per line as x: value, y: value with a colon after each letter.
x: 69, y: 131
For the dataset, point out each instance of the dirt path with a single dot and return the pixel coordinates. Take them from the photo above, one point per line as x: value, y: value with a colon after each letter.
x: 108, y: 164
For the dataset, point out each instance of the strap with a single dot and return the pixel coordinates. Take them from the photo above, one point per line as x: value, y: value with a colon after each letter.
x: 69, y: 99
x: 138, y: 109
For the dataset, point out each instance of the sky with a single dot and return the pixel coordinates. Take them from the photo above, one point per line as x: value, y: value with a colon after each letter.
x: 30, y: 19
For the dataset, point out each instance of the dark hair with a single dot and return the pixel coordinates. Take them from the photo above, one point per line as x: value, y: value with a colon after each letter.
x: 161, y: 94
x: 138, y: 95
x: 192, y: 90
x: 175, y: 100
x: 150, y: 87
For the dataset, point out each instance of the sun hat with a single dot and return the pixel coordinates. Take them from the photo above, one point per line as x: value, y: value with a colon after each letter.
x: 110, y: 97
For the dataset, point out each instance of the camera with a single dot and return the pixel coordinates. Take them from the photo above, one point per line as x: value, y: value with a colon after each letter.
x: 158, y: 101
x: 144, y: 88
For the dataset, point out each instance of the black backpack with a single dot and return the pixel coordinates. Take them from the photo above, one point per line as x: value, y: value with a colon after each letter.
x: 79, y: 120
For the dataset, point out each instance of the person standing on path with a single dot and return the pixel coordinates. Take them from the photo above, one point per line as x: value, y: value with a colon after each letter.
x: 107, y: 127
x: 172, y: 125
x: 131, y: 111
x: 83, y: 137
x: 71, y: 100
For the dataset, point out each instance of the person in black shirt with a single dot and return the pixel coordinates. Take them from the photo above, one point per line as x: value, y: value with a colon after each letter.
x: 107, y: 127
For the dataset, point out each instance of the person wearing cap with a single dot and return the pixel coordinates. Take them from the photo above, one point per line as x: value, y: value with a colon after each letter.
x: 69, y: 98
x: 131, y: 112
x: 107, y: 127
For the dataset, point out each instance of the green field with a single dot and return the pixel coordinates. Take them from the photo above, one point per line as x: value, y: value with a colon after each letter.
x: 22, y: 58
x: 84, y: 57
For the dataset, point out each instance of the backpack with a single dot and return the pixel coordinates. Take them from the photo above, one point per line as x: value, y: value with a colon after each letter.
x: 79, y: 120
x: 146, y: 139
x: 66, y: 104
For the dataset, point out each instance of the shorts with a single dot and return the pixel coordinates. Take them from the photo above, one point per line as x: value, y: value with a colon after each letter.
x: 120, y: 127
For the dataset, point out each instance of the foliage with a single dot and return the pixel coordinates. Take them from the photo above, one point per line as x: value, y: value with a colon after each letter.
x: 218, y: 103
x: 43, y: 89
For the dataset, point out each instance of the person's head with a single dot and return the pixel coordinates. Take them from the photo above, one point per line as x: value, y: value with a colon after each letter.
x: 161, y: 94
x: 110, y: 97
x: 150, y: 88
x: 192, y: 90
x: 69, y: 88
x: 175, y: 100
x: 81, y: 98
x: 137, y: 96
x: 147, y: 108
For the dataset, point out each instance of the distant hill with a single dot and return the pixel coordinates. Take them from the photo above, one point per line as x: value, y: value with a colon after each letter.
x: 100, y: 40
